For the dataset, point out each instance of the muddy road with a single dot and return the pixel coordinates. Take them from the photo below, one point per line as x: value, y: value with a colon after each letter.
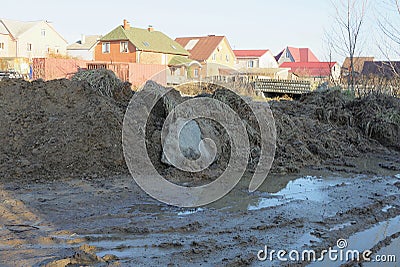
x: 67, y: 199
x: 110, y: 221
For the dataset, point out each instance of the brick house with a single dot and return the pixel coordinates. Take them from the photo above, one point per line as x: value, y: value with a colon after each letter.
x: 134, y: 45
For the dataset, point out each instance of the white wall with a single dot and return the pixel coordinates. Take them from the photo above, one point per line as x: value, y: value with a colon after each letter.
x: 40, y: 43
x: 336, y: 70
x: 268, y: 61
x: 82, y: 54
x: 6, y: 40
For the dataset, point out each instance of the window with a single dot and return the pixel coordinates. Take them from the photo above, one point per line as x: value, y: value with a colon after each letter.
x: 1, y: 46
x: 196, y: 73
x: 29, y: 47
x: 214, y: 57
x: 191, y: 44
x: 173, y: 47
x: 227, y: 57
x: 123, y: 47
x: 146, y: 43
x: 250, y: 64
x: 43, y: 32
x: 106, y: 48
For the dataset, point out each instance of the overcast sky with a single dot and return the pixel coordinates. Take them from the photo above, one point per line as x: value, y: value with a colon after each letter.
x: 248, y: 24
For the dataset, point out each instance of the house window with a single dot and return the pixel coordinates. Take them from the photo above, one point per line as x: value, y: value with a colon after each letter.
x: 43, y: 32
x: 250, y: 64
x: 1, y: 46
x: 124, y: 47
x: 29, y: 47
x: 106, y: 48
x: 214, y: 57
x: 227, y: 57
x: 196, y: 73
x: 146, y: 43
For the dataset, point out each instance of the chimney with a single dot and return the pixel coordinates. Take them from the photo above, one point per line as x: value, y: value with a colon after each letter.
x: 150, y: 28
x: 127, y: 26
x: 83, y: 39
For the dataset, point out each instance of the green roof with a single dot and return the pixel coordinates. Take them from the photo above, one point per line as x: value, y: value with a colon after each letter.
x: 144, y: 40
x: 182, y: 61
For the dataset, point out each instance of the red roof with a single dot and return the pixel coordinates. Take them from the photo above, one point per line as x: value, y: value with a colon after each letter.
x: 250, y: 53
x: 203, y: 48
x: 300, y: 54
x: 303, y: 55
x: 309, y: 69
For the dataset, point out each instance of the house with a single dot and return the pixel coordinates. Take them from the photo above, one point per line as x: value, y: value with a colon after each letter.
x: 134, y: 45
x: 34, y: 39
x: 84, y: 48
x: 358, y: 65
x: 293, y: 54
x: 314, y: 71
x: 381, y: 69
x: 247, y: 59
x: 213, y: 52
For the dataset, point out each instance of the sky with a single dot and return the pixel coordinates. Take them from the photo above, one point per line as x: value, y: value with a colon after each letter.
x: 249, y: 24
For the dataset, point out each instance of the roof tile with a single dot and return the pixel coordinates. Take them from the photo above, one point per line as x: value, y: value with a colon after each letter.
x: 203, y: 49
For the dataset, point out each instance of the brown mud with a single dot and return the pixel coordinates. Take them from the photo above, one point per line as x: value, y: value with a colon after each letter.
x: 66, y: 196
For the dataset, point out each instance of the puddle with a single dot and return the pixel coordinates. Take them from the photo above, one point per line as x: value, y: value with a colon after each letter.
x: 365, y: 240
x: 266, y: 203
x: 392, y: 249
x: 189, y: 211
x: 307, y: 188
x: 341, y: 226
x: 307, y: 239
x: 386, y: 208
x: 127, y: 248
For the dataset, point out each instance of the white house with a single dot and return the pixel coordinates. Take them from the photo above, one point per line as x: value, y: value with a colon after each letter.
x: 85, y: 48
x: 34, y: 39
x: 247, y: 59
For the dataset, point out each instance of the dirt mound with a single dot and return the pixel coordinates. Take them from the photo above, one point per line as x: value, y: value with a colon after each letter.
x: 63, y: 128
x: 330, y: 127
x: 58, y: 129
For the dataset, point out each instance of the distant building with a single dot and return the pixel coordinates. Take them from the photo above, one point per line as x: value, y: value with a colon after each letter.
x: 314, y: 71
x: 35, y: 39
x: 358, y: 65
x: 135, y: 45
x: 247, y: 59
x: 293, y: 54
x: 213, y: 52
x: 381, y: 69
x: 84, y: 48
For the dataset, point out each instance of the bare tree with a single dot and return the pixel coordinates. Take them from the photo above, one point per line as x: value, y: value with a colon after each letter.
x: 345, y: 35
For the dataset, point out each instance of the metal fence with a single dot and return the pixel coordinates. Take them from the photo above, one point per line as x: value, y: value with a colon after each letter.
x: 282, y: 86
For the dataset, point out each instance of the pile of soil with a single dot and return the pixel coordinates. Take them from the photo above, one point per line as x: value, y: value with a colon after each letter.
x: 330, y: 128
x: 63, y: 128
x: 58, y: 129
